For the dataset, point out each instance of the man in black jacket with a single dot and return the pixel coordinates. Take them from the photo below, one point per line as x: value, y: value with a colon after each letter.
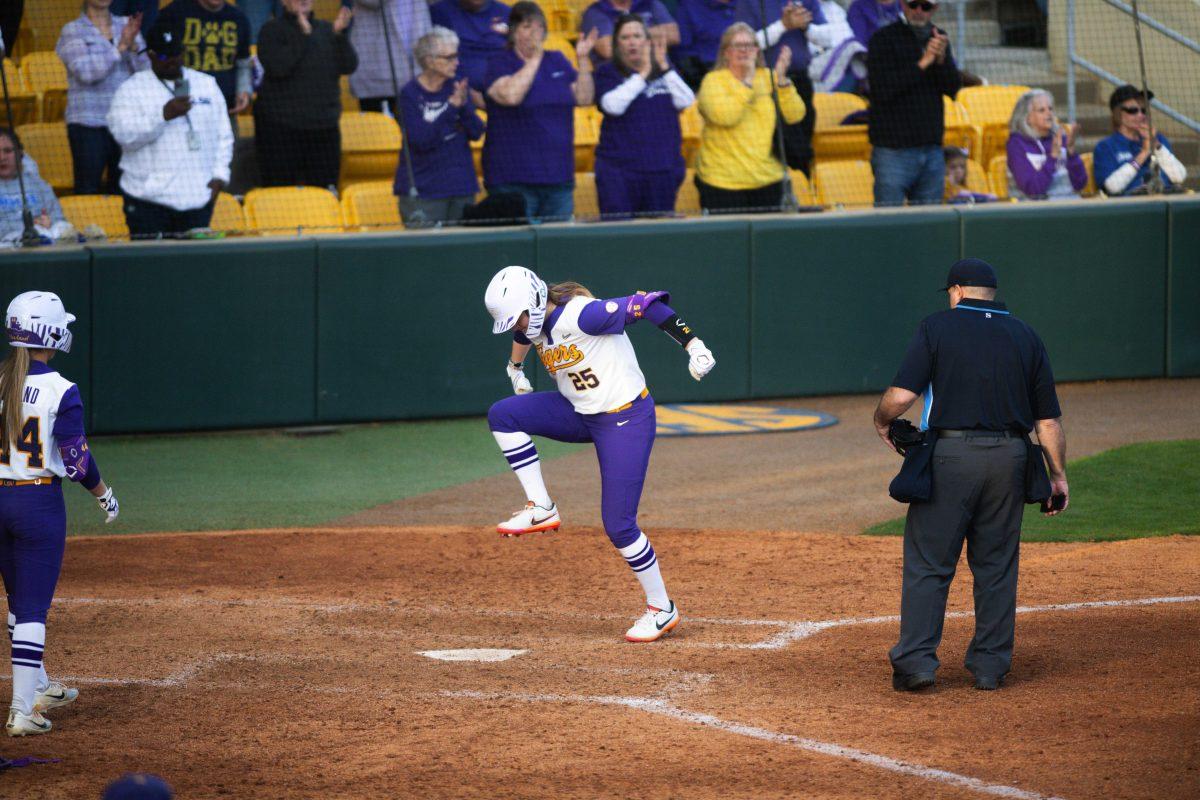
x: 910, y: 67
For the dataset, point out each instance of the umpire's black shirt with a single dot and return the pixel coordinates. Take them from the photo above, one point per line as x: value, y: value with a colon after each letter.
x: 980, y: 368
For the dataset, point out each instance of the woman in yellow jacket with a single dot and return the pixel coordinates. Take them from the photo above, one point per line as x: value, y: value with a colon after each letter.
x: 736, y: 169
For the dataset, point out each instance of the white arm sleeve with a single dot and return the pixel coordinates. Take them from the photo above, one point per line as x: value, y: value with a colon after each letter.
x: 1171, y: 166
x: 617, y: 101
x: 823, y: 36
x: 681, y: 94
x: 767, y: 38
x: 1122, y: 176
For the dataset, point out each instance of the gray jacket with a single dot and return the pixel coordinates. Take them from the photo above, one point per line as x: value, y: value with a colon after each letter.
x: 40, y: 197
x: 407, y: 20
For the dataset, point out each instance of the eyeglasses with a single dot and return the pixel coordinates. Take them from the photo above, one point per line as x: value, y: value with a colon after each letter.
x: 448, y: 57
x: 1133, y: 111
x: 921, y: 5
x: 744, y: 46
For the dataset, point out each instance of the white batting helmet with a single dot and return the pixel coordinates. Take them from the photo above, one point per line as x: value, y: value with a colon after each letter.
x: 38, y: 320
x: 512, y: 292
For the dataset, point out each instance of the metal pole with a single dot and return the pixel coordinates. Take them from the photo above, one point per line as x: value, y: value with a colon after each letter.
x: 787, y: 198
x: 960, y: 19
x: 387, y: 44
x: 1071, y: 60
x: 29, y: 236
x: 1155, y: 182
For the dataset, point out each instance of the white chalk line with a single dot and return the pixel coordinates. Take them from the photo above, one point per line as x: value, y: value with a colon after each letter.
x: 666, y: 709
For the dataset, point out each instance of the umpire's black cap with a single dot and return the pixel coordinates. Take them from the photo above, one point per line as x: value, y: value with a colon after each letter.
x: 970, y: 272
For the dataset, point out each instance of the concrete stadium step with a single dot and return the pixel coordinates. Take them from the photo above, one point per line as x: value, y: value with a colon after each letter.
x: 979, y: 32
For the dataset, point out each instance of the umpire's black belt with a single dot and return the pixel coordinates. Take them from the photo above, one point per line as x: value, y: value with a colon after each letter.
x: 944, y: 433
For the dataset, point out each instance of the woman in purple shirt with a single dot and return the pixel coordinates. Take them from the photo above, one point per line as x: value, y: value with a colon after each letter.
x: 639, y: 163
x: 531, y: 99
x: 439, y: 121
x: 100, y: 50
x: 867, y: 16
x: 1042, y: 161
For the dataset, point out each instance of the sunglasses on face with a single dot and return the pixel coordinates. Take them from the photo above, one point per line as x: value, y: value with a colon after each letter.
x: 921, y: 5
x: 1133, y: 111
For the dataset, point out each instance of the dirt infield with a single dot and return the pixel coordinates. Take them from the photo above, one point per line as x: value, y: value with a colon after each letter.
x: 284, y: 664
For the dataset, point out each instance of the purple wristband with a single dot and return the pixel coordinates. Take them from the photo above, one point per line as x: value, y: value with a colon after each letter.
x: 647, y: 305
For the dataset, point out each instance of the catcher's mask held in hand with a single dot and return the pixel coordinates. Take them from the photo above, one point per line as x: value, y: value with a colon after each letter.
x: 903, y: 434
x: 512, y: 292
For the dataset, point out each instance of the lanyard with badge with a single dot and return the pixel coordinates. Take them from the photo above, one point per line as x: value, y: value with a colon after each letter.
x: 183, y: 90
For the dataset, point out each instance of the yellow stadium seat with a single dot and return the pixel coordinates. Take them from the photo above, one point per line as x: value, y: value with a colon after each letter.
x: 349, y: 101
x: 477, y: 147
x: 801, y: 188
x: 43, y: 70
x: 371, y: 206
x: 688, y: 199
x: 691, y: 125
x: 245, y: 126
x: 959, y: 130
x: 831, y: 139
x: 279, y: 211
x: 989, y: 109
x: 47, y: 143
x: 977, y: 179
x: 556, y: 42
x: 25, y: 109
x: 587, y: 136
x: 587, y: 205
x: 1090, y: 188
x: 370, y: 147
x: 12, y: 74
x: 227, y: 214
x: 54, y: 105
x: 849, y: 184
x: 107, y: 211
x: 998, y: 176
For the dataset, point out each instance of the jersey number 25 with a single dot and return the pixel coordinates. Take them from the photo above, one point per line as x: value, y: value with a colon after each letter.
x: 584, y: 379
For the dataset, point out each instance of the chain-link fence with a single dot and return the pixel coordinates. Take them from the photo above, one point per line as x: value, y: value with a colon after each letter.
x: 206, y: 118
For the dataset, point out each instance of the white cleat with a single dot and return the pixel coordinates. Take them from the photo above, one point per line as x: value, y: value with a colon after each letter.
x: 54, y: 696
x: 654, y: 624
x: 531, y: 519
x: 26, y: 724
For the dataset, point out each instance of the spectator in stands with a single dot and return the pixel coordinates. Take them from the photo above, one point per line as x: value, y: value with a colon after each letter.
x: 602, y: 15
x: 868, y: 16
x: 176, y: 140
x: 1041, y: 153
x: 701, y: 24
x: 296, y: 132
x: 48, y: 220
x: 1124, y: 162
x: 441, y: 121
x: 639, y: 164
x: 910, y: 66
x: 382, y: 74
x: 258, y: 12
x: 736, y: 169
x: 127, y: 8
x: 793, y: 23
x: 531, y: 95
x: 482, y: 28
x: 216, y: 41
x: 957, y: 192
x: 841, y: 64
x: 100, y: 51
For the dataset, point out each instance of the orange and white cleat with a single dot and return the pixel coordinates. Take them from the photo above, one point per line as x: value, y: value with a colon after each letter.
x: 654, y: 624
x: 531, y: 519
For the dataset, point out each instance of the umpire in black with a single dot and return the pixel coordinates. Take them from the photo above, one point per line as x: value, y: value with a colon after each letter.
x: 987, y: 383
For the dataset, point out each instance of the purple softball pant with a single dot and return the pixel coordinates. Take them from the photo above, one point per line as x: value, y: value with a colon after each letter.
x: 623, y: 442
x: 33, y: 537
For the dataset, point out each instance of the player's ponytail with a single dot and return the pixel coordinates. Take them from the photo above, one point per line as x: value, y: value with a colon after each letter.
x: 561, y: 293
x: 13, y: 372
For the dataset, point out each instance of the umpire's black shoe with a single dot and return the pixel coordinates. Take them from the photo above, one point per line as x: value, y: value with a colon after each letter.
x: 913, y: 682
x: 988, y: 683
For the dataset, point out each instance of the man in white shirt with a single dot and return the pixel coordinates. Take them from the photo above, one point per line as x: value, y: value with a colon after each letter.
x: 176, y: 141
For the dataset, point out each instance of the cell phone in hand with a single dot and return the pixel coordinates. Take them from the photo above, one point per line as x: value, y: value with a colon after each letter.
x: 1055, y: 502
x: 182, y: 89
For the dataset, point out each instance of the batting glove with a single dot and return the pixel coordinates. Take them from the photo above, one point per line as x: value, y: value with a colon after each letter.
x: 700, y: 359
x: 109, y: 505
x: 521, y: 384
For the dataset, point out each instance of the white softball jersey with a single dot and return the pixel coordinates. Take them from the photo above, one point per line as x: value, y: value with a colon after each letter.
x: 36, y: 453
x: 596, y: 373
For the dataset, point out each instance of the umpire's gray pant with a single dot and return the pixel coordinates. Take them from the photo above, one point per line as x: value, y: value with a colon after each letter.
x: 979, y: 494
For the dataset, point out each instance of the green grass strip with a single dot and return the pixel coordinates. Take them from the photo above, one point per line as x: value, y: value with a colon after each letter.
x: 1145, y: 489
x: 270, y: 479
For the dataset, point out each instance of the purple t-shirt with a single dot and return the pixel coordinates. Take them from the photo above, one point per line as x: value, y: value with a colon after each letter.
x: 437, y: 142
x: 481, y: 35
x: 646, y: 138
x: 701, y: 23
x: 750, y: 12
x: 602, y: 16
x: 867, y: 16
x: 534, y: 142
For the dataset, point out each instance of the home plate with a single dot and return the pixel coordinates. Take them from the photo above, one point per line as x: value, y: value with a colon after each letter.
x: 482, y: 654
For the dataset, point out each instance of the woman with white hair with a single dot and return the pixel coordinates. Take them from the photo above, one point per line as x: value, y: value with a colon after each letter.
x: 439, y: 122
x: 1042, y: 161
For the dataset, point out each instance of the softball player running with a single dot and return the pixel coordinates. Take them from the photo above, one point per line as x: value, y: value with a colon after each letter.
x: 601, y: 398
x: 41, y: 427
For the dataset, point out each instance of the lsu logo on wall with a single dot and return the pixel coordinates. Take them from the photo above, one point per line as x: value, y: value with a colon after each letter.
x: 717, y: 419
x: 559, y: 357
x: 210, y: 46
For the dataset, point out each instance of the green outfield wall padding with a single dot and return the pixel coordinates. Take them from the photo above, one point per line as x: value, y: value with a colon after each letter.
x: 66, y: 272
x: 836, y: 299
x: 1091, y: 279
x: 204, y: 335
x: 402, y: 329
x: 701, y: 263
x: 1183, y: 313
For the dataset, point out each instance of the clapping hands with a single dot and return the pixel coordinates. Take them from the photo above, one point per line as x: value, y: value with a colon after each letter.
x: 796, y: 17
x: 130, y: 33
x: 342, y: 20
x: 459, y: 96
x: 583, y: 47
x: 658, y: 47
x: 782, y: 62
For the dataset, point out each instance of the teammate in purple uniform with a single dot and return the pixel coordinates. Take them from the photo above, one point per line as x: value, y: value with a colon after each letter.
x: 41, y: 426
x: 602, y: 398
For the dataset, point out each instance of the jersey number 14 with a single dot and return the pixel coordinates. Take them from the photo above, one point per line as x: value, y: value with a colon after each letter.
x: 30, y: 444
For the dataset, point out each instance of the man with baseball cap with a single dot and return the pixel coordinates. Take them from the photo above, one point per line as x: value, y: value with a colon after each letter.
x: 987, y: 383
x: 176, y: 140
